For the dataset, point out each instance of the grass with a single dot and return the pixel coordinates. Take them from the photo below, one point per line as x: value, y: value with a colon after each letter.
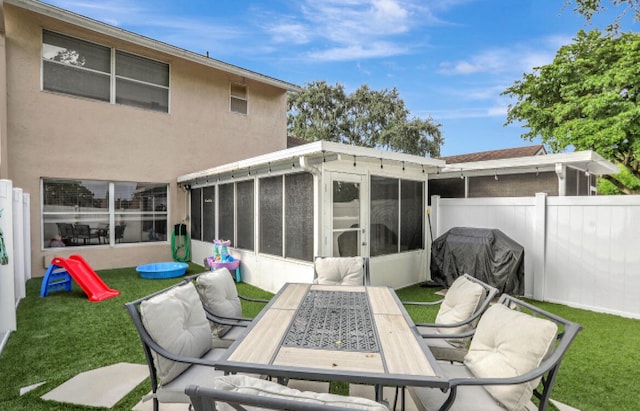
x: 64, y: 334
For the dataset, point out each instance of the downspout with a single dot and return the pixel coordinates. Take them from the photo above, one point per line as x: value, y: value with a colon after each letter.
x: 561, y: 172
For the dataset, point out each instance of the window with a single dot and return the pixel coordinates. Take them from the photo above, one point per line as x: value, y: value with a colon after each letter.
x: 294, y: 207
x: 81, y: 68
x: 226, y: 211
x: 238, y: 98
x: 271, y: 216
x: 89, y: 212
x: 396, y: 215
x: 298, y: 211
x: 245, y: 213
x: 196, y: 214
x: 209, y: 213
x: 384, y: 215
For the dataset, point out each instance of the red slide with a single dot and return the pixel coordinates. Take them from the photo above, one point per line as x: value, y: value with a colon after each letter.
x: 87, y: 279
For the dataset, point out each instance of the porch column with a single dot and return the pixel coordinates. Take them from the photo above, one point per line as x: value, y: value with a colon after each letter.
x: 561, y: 172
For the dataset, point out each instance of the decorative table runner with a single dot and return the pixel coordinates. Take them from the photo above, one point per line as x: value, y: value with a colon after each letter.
x: 333, y: 320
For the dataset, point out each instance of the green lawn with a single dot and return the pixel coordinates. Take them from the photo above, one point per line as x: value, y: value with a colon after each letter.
x: 64, y: 334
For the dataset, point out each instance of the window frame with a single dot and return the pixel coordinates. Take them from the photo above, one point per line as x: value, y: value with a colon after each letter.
x: 112, y: 75
x: 111, y: 217
x: 399, y: 217
x: 257, y: 215
x: 244, y: 99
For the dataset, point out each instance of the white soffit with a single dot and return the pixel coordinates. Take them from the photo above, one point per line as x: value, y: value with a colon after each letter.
x: 317, y: 152
x: 582, y: 160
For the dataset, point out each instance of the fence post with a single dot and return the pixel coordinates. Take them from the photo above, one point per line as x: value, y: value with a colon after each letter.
x: 7, y: 287
x: 539, y: 251
x: 435, y: 211
x: 18, y: 245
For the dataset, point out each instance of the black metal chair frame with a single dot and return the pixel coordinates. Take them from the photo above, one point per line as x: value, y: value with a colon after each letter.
x: 548, y: 368
x: 149, y: 344
x: 204, y: 399
x: 490, y: 294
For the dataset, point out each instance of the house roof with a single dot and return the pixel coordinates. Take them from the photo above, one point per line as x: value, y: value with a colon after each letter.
x: 116, y: 32
x: 587, y: 161
x: 534, y: 150
x: 308, y: 156
x: 295, y: 141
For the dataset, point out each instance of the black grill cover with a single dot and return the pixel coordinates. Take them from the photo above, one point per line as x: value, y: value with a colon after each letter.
x: 486, y: 254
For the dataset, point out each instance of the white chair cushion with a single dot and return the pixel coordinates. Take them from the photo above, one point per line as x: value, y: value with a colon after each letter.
x: 254, y: 386
x: 194, y: 375
x: 460, y: 302
x: 218, y: 291
x: 177, y: 322
x: 340, y: 270
x: 508, y: 343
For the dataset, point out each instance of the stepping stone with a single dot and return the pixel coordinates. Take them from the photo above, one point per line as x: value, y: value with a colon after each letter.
x: 102, y: 387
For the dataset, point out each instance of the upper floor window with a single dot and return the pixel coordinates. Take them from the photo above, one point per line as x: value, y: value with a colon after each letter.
x: 238, y: 98
x: 82, y: 68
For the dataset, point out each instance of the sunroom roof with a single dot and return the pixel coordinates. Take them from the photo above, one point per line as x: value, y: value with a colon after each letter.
x: 587, y: 161
x: 313, y: 154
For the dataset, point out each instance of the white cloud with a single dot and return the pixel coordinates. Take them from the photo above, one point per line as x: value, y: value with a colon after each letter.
x: 465, y: 112
x: 516, y: 58
x: 357, y: 52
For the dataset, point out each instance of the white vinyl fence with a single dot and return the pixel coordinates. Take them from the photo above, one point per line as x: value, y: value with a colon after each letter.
x: 15, y: 225
x: 579, y: 251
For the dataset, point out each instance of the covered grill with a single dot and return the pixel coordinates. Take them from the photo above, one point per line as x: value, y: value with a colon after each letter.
x: 486, y: 254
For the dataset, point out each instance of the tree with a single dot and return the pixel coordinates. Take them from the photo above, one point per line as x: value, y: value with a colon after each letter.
x: 587, y: 98
x: 588, y: 8
x: 367, y: 118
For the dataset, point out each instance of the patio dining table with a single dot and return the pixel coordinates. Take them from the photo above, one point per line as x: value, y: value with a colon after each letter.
x: 359, y: 334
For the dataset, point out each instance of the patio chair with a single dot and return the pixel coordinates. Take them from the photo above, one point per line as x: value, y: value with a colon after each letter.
x: 240, y: 392
x: 515, y: 347
x: 119, y: 232
x: 460, y: 309
x: 67, y: 233
x: 341, y: 270
x: 176, y: 339
x: 221, y: 303
x: 84, y: 233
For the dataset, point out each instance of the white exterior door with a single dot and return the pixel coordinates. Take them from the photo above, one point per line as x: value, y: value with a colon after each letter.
x: 348, y: 196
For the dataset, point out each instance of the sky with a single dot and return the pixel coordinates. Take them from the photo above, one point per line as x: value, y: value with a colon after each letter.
x: 449, y: 59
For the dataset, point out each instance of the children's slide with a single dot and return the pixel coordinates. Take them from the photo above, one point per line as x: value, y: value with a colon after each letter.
x: 82, y: 273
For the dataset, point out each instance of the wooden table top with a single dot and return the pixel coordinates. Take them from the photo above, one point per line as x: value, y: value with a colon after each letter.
x: 400, y: 355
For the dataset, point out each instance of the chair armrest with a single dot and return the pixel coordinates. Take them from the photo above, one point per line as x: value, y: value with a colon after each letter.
x: 465, y: 334
x: 423, y: 303
x: 255, y: 300
x: 226, y: 320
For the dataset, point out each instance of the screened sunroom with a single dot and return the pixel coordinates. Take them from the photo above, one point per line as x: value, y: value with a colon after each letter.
x: 282, y: 209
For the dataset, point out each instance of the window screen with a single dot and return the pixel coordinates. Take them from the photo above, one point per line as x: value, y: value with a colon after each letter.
x: 271, y: 215
x: 245, y: 222
x: 208, y: 214
x: 384, y: 216
x: 411, y: 215
x: 299, y: 216
x: 226, y: 210
x: 196, y: 214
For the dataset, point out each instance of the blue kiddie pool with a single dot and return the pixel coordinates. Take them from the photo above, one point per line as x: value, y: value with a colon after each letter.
x: 156, y: 271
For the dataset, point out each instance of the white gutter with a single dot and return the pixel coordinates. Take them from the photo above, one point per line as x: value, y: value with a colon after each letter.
x: 121, y: 34
x: 318, y: 150
x: 584, y: 160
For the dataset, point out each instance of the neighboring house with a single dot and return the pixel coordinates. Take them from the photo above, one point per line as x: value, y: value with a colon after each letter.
x: 97, y: 123
x: 518, y: 172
